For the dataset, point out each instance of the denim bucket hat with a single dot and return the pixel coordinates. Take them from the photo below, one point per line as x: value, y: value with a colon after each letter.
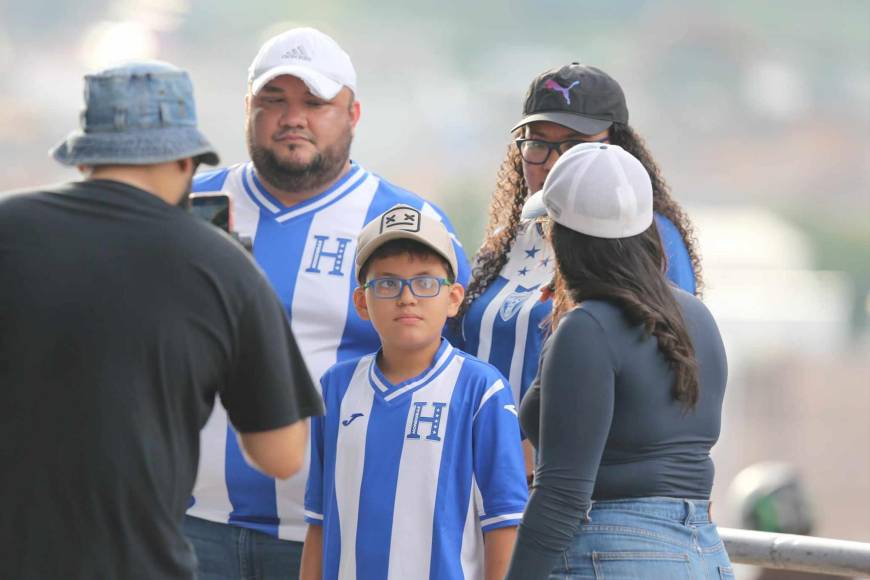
x: 139, y: 113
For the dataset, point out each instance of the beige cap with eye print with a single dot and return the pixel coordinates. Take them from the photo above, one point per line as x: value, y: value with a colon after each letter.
x: 405, y: 222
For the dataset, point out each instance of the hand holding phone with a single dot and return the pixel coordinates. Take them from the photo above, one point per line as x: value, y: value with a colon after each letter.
x: 217, y: 209
x: 214, y: 208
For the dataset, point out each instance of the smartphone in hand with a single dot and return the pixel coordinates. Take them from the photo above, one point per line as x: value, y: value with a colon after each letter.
x: 214, y: 208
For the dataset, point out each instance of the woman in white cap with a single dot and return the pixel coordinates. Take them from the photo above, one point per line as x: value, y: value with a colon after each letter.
x: 501, y: 316
x: 629, y: 397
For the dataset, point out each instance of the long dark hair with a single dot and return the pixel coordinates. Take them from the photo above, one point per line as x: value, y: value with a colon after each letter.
x: 663, y: 203
x: 629, y: 273
x: 511, y: 193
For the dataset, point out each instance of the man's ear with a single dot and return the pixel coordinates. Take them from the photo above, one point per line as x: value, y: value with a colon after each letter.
x: 354, y: 113
x: 455, y: 296
x: 360, y: 304
x: 186, y: 165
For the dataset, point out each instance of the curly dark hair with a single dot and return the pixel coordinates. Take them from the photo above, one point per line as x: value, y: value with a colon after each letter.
x: 511, y: 193
x: 663, y: 204
x: 629, y: 273
x: 501, y: 231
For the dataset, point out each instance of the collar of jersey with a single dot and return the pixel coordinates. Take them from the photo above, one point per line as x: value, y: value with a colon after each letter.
x: 271, y: 206
x: 390, y: 392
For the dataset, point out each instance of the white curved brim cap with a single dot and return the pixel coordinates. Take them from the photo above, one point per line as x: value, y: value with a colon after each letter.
x: 598, y: 190
x: 319, y: 84
x: 534, y: 207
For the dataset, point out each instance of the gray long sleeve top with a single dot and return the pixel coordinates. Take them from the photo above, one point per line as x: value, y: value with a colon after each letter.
x: 606, y: 426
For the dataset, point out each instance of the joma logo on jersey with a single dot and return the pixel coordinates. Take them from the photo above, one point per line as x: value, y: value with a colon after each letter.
x: 433, y: 420
x: 320, y: 252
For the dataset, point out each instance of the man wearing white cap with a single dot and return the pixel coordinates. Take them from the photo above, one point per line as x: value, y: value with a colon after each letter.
x: 303, y: 202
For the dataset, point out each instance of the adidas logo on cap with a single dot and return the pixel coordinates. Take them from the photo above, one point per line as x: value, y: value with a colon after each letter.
x: 298, y: 53
x: 307, y: 54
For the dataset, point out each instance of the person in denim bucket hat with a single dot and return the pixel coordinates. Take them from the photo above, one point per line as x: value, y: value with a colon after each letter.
x: 123, y: 316
x: 137, y: 114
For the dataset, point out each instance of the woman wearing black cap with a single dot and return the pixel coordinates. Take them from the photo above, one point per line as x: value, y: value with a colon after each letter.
x: 628, y: 400
x: 501, y: 317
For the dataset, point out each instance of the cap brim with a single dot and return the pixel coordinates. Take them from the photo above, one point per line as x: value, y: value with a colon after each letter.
x: 534, y: 207
x: 584, y: 125
x: 209, y: 158
x: 320, y: 85
x: 141, y: 147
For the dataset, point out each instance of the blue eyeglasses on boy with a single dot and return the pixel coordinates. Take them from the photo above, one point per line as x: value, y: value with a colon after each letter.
x: 420, y: 286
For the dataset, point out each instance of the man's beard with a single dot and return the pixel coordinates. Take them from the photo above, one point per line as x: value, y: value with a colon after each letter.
x: 293, y: 176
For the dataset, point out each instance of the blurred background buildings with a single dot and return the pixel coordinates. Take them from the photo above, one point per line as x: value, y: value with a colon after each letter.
x: 758, y: 113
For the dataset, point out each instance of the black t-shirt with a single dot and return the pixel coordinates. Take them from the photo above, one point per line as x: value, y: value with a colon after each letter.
x: 121, y: 318
x: 606, y: 425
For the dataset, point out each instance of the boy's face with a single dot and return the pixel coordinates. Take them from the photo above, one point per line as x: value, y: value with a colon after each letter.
x: 408, y: 322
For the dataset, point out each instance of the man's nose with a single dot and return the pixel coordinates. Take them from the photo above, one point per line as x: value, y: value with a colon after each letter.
x: 293, y: 116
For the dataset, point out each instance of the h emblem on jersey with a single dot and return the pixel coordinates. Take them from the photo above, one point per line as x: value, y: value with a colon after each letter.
x: 434, y: 421
x: 404, y: 218
x: 337, y: 256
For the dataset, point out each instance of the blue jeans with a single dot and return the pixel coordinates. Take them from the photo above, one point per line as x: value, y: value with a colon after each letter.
x: 226, y: 552
x: 646, y: 538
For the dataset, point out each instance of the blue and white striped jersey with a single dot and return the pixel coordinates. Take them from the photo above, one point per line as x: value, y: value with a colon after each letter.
x: 503, y: 326
x: 307, y: 252
x: 406, y: 478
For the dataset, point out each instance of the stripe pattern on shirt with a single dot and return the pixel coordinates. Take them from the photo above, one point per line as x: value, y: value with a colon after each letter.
x: 307, y: 252
x: 394, y: 478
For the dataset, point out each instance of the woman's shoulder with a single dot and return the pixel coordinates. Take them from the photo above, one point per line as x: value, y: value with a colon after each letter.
x: 691, y: 305
x: 585, y: 334
x: 592, y: 320
x: 595, y: 313
x: 700, y: 323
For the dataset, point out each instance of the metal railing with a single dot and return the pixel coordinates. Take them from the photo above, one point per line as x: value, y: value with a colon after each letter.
x: 803, y: 553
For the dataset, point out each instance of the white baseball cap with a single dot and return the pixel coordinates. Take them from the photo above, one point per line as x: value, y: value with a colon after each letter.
x: 596, y: 189
x: 307, y: 54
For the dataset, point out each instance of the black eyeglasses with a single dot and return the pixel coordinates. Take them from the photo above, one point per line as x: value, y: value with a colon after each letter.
x: 537, y: 151
x: 421, y: 286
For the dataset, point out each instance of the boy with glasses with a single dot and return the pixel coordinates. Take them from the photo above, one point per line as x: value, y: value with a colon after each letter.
x: 416, y: 469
